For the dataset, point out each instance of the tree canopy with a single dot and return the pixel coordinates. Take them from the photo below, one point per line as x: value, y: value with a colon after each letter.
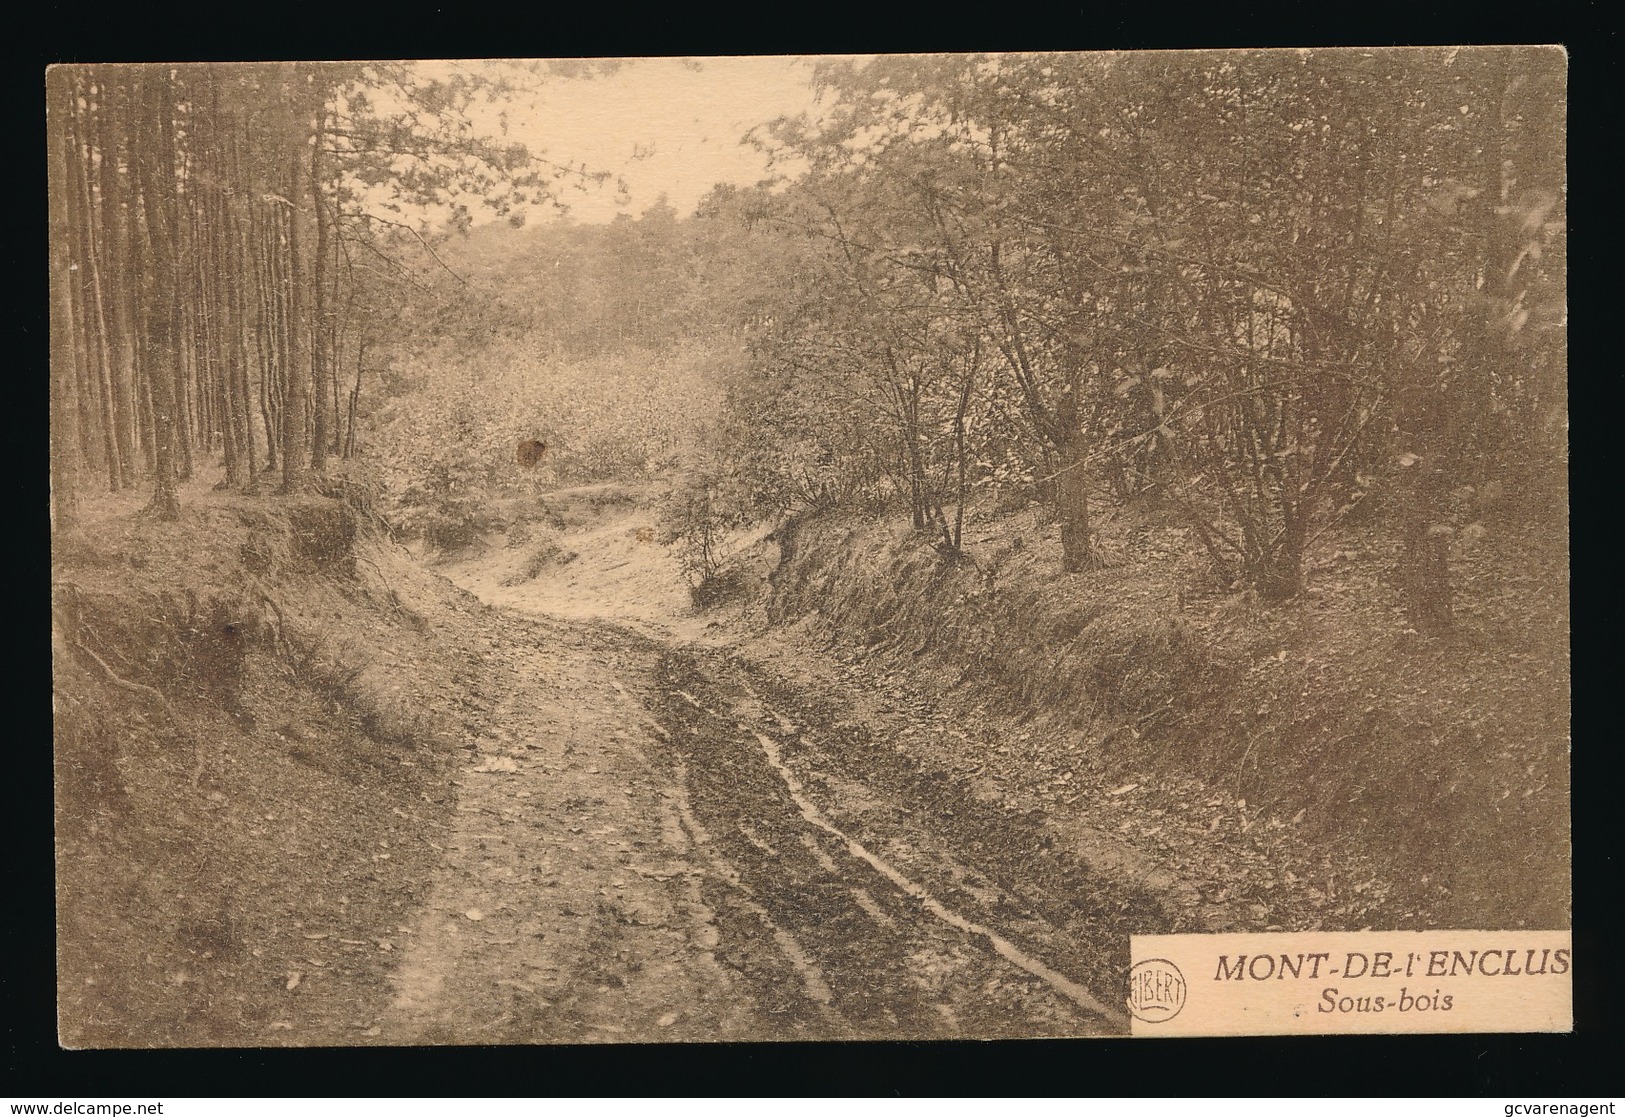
x: 1266, y: 287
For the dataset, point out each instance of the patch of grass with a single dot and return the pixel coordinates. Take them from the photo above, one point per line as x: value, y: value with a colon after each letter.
x: 449, y: 531
x: 324, y: 533
x: 728, y: 583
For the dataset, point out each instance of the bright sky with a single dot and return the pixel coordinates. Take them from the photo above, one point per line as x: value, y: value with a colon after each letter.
x: 664, y: 125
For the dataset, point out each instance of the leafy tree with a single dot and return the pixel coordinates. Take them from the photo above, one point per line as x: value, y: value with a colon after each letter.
x: 1228, y: 277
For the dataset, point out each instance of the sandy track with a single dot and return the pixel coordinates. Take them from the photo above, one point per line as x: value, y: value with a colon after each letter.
x: 567, y: 907
x: 648, y: 849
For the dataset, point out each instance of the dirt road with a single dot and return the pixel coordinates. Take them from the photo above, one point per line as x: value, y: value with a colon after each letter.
x: 651, y: 844
x: 658, y: 839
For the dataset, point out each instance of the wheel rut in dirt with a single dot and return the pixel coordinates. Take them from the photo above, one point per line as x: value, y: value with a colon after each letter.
x: 646, y: 847
x: 909, y: 939
x: 566, y: 907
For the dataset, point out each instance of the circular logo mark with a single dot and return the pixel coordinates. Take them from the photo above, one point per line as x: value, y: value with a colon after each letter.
x: 1156, y: 990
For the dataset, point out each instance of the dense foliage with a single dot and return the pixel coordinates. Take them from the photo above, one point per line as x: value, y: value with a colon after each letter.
x: 1270, y: 289
x: 1264, y: 287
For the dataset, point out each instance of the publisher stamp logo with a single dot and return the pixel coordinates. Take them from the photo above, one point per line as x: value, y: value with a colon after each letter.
x: 1156, y: 990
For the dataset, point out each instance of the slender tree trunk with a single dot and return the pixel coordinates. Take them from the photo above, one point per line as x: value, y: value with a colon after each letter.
x: 64, y: 405
x: 296, y: 404
x: 139, y: 275
x: 215, y: 320
x: 239, y: 279
x: 106, y: 399
x: 83, y: 341
x: 282, y: 315
x: 1072, y: 504
x: 185, y: 359
x: 235, y: 443
x: 266, y: 251
x: 181, y: 252
x: 145, y: 439
x: 113, y: 245
x: 78, y: 155
x: 338, y: 328
x: 355, y: 397
x: 1072, y: 480
x: 962, y: 451
x: 155, y: 160
x: 320, y: 370
x: 216, y: 282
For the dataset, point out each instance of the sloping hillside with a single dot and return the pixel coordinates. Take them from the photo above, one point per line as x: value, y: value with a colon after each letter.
x: 1430, y: 773
x: 256, y: 711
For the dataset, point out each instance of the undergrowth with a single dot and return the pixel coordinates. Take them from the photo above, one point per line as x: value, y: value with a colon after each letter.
x: 1443, y: 758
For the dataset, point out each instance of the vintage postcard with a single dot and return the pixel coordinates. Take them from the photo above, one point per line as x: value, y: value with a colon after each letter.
x: 810, y: 548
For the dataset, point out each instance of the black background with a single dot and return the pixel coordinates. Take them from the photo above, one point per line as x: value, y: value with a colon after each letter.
x: 1534, y: 1067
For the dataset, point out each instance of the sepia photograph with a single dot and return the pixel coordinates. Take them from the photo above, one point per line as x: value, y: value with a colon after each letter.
x: 810, y: 548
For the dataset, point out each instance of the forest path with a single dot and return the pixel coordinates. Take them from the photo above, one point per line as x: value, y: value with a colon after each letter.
x: 657, y: 840
x: 565, y: 907
x: 608, y: 568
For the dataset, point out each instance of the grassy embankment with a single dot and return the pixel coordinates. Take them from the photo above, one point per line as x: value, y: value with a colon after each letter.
x: 255, y: 714
x: 1437, y: 765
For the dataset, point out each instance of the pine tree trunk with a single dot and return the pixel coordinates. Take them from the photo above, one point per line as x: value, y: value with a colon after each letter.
x: 139, y: 278
x: 78, y: 302
x: 97, y: 428
x: 114, y: 245
x: 355, y: 398
x: 320, y: 372
x: 64, y: 405
x: 238, y: 279
x: 256, y: 251
x: 238, y: 450
x: 185, y: 360
x: 296, y: 403
x: 160, y: 306
x: 335, y: 348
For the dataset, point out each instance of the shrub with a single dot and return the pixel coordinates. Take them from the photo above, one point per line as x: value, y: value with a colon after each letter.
x: 726, y: 584
x: 449, y: 530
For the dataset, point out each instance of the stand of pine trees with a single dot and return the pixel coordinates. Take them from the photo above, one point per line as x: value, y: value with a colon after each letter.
x: 207, y: 224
